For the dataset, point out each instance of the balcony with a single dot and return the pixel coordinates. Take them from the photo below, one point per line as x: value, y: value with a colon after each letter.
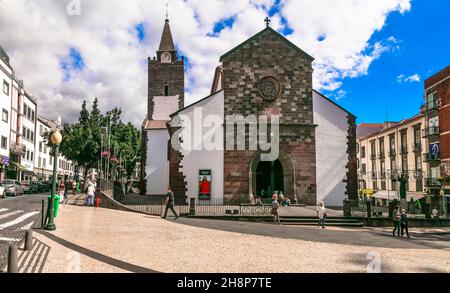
x: 433, y: 183
x: 381, y: 156
x: 417, y: 147
x: 392, y: 153
x: 18, y: 149
x: 431, y: 158
x: 432, y: 104
x: 403, y: 150
x: 418, y: 174
x: 432, y: 131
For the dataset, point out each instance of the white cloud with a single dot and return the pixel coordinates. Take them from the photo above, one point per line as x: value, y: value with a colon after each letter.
x: 413, y: 78
x: 38, y: 35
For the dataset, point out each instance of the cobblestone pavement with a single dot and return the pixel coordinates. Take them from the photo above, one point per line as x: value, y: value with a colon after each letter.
x: 100, y: 240
x: 17, y: 215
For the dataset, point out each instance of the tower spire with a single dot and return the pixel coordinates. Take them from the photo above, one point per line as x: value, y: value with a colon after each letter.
x: 167, y: 44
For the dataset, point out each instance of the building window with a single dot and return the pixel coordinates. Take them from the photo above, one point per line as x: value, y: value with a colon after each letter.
x: 39, y: 163
x: 363, y: 152
x: 24, y: 132
x: 28, y: 155
x: 405, y: 165
x: 40, y: 146
x: 45, y: 149
x: 25, y: 109
x: 31, y: 156
x: 45, y: 162
x: 28, y: 134
x: 41, y: 130
x: 29, y: 113
x: 5, y: 87
x: 32, y: 115
x: 393, y: 166
x: 4, y: 142
x: 392, y: 144
x: 166, y: 90
x: 32, y: 136
x: 5, y: 115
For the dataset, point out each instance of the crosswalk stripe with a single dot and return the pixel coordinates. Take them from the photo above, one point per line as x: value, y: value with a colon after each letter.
x: 4, y: 216
x: 26, y: 227
x: 7, y: 239
x: 18, y: 220
x: 3, y: 210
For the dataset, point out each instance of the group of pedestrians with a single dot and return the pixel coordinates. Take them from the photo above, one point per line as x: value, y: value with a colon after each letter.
x: 400, y: 222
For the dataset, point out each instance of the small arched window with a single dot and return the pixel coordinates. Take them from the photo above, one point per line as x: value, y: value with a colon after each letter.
x: 166, y: 90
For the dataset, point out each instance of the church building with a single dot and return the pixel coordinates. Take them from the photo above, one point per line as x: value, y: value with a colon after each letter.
x: 262, y: 129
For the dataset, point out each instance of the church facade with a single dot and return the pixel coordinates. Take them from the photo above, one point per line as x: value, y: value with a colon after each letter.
x: 262, y: 129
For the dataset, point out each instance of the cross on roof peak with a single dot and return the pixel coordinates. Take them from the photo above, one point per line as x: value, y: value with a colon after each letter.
x: 267, y: 21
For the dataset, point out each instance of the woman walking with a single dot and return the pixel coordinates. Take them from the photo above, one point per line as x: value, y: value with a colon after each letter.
x: 396, y: 221
x: 91, y: 195
x: 61, y: 191
x: 275, y: 213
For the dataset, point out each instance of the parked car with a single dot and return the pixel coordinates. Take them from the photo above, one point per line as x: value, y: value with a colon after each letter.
x: 42, y: 186
x: 25, y: 186
x: 34, y: 187
x: 12, y: 187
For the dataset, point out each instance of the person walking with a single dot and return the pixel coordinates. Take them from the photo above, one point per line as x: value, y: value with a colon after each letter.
x: 275, y: 212
x: 435, y: 216
x: 170, y: 203
x: 321, y: 214
x: 61, y: 191
x: 404, y: 223
x: 396, y: 221
x: 91, y: 195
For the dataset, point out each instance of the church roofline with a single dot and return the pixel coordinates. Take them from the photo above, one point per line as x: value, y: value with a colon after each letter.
x: 334, y: 103
x: 259, y: 34
x: 193, y: 104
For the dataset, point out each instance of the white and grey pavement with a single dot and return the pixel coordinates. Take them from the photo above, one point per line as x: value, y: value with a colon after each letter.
x: 101, y: 240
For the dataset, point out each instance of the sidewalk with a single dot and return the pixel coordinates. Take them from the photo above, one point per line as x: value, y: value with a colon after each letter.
x: 101, y: 240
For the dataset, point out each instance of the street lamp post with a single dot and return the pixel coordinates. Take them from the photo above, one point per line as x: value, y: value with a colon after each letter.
x: 56, y: 139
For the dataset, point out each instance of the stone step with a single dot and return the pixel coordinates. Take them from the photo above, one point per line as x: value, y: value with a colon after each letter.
x: 295, y: 220
x: 354, y: 225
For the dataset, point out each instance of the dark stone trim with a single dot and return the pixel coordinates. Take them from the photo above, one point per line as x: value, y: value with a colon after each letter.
x: 352, y: 166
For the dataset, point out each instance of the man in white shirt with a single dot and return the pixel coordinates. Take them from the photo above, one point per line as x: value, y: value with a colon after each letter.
x: 321, y: 214
x: 435, y: 217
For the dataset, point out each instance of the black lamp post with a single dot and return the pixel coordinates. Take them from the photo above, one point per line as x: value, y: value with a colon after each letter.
x: 56, y: 139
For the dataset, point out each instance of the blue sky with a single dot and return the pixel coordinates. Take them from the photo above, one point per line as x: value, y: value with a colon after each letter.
x: 106, y: 53
x: 424, y: 40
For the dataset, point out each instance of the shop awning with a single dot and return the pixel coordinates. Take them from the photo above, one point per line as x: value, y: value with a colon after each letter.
x: 391, y: 195
x: 384, y: 194
x: 19, y: 166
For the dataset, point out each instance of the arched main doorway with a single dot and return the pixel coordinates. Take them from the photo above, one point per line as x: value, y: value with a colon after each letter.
x: 269, y: 178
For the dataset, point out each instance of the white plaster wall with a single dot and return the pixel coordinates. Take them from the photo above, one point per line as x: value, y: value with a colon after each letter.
x: 157, y: 168
x: 5, y: 103
x: 165, y: 106
x: 29, y: 164
x: 331, y: 150
x: 201, y: 159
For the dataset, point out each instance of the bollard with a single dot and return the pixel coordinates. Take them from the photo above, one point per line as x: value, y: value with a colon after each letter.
x: 13, y: 267
x: 29, y: 240
x: 43, y: 214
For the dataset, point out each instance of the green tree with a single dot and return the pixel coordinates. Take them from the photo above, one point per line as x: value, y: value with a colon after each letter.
x: 82, y: 141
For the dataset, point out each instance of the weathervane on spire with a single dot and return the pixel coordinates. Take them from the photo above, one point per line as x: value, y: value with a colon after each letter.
x: 267, y: 21
x: 167, y: 9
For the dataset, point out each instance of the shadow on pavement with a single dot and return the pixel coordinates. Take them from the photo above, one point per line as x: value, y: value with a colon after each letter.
x: 350, y: 236
x: 97, y: 256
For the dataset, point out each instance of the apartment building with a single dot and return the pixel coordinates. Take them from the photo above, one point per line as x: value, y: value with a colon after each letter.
x: 6, y: 73
x: 396, y: 150
x: 437, y: 133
